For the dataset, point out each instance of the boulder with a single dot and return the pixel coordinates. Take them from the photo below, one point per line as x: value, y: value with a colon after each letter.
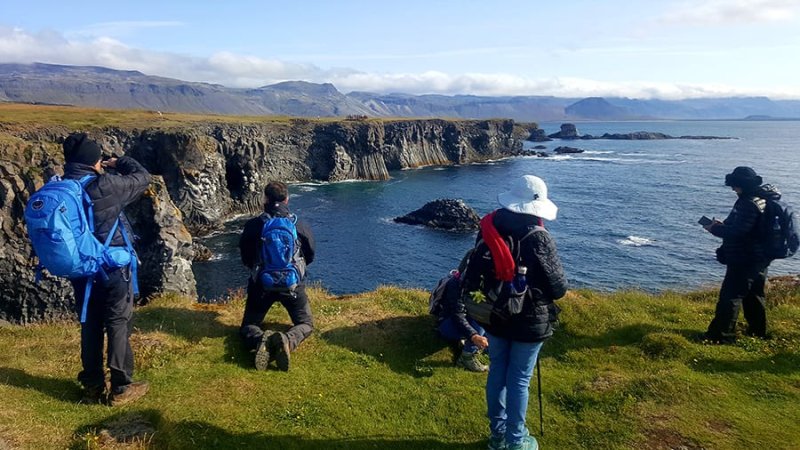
x: 538, y: 135
x: 568, y: 131
x: 445, y: 214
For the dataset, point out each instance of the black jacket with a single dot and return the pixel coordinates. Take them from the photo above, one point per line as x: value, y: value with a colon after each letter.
x: 545, y: 278
x: 451, y: 306
x: 250, y: 239
x: 111, y: 193
x: 739, y: 231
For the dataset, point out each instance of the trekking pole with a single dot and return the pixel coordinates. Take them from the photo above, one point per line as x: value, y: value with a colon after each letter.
x: 539, y: 383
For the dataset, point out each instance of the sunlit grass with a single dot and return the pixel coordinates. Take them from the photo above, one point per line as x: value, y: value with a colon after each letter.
x: 623, y: 371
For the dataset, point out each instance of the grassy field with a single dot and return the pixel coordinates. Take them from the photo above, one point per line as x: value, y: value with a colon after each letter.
x: 622, y: 372
x: 16, y: 117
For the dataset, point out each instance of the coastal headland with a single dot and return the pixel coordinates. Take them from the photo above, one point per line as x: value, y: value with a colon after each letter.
x: 208, y: 169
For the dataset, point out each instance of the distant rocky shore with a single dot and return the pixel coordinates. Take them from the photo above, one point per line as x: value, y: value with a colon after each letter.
x: 570, y: 131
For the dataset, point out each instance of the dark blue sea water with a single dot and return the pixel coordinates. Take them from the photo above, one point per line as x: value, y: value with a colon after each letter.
x: 627, y: 217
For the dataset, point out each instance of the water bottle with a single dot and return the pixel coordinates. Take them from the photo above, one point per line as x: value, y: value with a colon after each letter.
x: 520, y: 282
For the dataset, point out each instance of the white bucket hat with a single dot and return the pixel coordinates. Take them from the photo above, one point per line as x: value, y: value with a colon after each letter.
x: 528, y: 195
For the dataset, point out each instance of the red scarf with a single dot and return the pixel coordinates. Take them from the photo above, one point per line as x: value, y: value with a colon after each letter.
x: 504, y: 266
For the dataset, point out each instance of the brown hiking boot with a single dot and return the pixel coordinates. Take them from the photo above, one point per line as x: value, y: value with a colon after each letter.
x: 279, y: 348
x: 93, y: 395
x: 132, y: 392
x: 263, y: 353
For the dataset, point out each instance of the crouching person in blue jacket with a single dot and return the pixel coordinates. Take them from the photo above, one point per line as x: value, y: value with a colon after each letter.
x: 455, y: 326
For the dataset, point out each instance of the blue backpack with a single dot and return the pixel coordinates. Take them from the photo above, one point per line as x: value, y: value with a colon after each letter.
x: 60, y: 222
x: 779, y: 230
x: 279, y: 254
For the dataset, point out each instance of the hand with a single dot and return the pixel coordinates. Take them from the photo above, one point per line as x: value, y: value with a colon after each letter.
x: 110, y: 163
x: 480, y: 341
x: 714, y: 222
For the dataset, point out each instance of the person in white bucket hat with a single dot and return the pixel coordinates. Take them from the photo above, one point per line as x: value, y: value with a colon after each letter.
x: 516, y: 334
x: 528, y: 195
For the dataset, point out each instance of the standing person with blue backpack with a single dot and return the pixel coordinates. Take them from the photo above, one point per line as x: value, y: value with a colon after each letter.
x: 78, y: 231
x: 276, y: 247
x: 759, y: 228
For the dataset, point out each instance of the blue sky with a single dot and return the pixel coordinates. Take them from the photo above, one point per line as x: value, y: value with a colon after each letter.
x: 655, y: 49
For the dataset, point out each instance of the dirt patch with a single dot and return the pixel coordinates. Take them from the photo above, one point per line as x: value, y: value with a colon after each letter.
x: 719, y: 426
x: 5, y: 445
x: 127, y: 431
x: 664, y: 439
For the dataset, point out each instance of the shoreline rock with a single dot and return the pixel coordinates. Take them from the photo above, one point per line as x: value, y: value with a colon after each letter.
x: 444, y: 214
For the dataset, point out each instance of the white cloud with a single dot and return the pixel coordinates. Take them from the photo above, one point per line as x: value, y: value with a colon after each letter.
x: 724, y: 12
x: 232, y: 70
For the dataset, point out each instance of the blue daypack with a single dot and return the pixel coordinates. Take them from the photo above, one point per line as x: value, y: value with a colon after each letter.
x: 60, y: 222
x: 779, y: 230
x: 279, y: 254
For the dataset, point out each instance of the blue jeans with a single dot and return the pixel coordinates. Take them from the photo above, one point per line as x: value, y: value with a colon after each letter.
x: 450, y: 331
x: 510, y: 369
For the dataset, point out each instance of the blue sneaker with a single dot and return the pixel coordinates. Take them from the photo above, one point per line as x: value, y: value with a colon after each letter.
x: 527, y: 443
x: 497, y: 443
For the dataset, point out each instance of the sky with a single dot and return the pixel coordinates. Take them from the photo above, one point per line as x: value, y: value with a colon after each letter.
x: 667, y: 49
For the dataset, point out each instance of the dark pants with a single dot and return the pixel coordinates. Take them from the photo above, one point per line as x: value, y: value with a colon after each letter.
x: 258, y: 304
x: 108, y: 313
x: 743, y: 286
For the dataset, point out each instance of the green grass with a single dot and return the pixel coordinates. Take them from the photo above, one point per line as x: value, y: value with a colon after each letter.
x: 622, y: 372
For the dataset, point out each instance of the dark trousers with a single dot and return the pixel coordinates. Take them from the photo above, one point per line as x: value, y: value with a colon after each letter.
x: 258, y: 304
x: 108, y: 313
x: 743, y: 286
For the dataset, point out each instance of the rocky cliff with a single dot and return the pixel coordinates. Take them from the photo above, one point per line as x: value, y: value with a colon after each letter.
x: 209, y: 171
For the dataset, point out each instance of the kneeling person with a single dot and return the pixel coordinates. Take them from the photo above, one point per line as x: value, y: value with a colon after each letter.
x: 276, y: 247
x: 454, y: 324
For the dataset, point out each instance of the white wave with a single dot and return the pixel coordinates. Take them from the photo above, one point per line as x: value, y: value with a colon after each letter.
x: 636, y: 241
x: 598, y: 152
x: 306, y: 188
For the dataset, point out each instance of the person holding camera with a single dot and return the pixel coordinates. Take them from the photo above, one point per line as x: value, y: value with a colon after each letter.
x: 746, y: 264
x: 109, y: 308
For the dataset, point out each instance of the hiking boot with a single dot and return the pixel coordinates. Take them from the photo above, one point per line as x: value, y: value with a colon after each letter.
x: 470, y: 362
x: 527, y: 443
x: 497, y: 443
x: 279, y: 347
x: 93, y: 395
x: 263, y: 353
x: 130, y: 393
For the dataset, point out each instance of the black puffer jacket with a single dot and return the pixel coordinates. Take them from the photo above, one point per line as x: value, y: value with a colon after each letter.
x: 545, y: 277
x: 111, y: 193
x: 739, y: 231
x: 250, y: 240
x: 452, y: 306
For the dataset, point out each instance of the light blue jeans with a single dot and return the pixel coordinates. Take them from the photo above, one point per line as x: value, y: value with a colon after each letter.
x: 510, y: 369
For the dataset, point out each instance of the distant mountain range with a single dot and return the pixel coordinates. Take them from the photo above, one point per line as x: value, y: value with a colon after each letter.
x: 106, y: 88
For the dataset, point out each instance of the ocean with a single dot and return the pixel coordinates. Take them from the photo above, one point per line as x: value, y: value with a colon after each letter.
x: 627, y: 215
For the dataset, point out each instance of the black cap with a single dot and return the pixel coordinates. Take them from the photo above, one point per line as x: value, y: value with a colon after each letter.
x: 743, y: 177
x: 80, y: 148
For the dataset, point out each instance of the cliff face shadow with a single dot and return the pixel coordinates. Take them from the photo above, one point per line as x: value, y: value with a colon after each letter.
x: 401, y: 342
x: 148, y: 426
x: 189, y: 324
x: 57, y: 388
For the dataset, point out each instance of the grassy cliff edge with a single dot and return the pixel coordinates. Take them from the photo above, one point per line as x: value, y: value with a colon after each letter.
x: 621, y: 372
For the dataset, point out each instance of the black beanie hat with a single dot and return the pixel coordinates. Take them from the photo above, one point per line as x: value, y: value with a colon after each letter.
x: 80, y: 148
x: 743, y: 177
